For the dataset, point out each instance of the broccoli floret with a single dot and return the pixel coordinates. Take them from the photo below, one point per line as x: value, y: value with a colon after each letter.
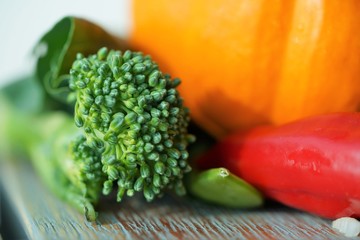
x: 132, y: 113
x: 84, y: 168
x: 129, y: 130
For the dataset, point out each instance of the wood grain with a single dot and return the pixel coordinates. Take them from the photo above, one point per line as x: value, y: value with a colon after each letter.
x: 43, y: 216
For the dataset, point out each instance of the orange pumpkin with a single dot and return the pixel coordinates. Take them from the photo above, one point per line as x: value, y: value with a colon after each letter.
x: 248, y: 62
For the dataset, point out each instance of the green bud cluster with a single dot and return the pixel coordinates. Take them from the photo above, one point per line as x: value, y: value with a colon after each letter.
x: 132, y: 113
x: 88, y: 166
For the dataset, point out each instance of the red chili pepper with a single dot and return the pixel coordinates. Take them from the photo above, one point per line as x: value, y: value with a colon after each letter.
x: 312, y: 164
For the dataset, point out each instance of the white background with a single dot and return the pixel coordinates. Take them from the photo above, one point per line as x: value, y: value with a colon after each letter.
x: 23, y: 22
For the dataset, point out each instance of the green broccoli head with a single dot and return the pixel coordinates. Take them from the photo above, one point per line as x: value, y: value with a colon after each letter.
x: 132, y: 113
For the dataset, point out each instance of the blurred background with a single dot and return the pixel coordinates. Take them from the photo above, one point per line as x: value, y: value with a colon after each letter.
x: 24, y: 22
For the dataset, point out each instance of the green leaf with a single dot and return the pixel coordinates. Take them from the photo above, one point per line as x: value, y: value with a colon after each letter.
x: 57, y: 49
x: 24, y: 94
x: 19, y: 100
x: 221, y: 187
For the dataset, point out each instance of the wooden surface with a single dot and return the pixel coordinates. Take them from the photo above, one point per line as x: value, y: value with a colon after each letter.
x: 42, y: 216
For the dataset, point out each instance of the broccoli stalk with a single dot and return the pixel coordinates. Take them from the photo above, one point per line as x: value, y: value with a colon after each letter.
x: 131, y: 131
x: 65, y: 163
x: 56, y: 149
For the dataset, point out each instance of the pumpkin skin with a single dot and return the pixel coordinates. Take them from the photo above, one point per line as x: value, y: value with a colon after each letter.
x: 248, y: 62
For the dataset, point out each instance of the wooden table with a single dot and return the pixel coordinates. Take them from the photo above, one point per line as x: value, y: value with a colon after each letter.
x: 40, y: 215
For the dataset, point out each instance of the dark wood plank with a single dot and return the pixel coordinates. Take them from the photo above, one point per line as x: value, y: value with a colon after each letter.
x: 43, y: 216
